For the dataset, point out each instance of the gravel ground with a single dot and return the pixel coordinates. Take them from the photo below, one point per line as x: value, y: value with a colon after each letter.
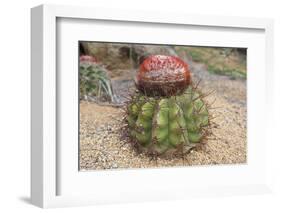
x: 103, y: 147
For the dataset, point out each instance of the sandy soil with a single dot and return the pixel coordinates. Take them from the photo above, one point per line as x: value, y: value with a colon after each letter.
x: 103, y: 147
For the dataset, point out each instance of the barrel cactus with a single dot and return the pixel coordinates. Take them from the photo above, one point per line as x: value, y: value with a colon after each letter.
x: 166, y: 114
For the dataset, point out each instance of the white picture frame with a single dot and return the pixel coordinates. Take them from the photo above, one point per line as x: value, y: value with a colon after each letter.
x: 47, y: 167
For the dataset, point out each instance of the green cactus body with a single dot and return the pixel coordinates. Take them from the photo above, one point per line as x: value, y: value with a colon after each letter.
x: 94, y: 82
x: 162, y: 125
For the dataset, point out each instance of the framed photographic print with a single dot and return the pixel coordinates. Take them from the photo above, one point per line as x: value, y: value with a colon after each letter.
x: 129, y: 106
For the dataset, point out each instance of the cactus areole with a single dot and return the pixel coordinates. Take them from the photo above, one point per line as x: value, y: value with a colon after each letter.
x: 163, y: 75
x: 166, y: 114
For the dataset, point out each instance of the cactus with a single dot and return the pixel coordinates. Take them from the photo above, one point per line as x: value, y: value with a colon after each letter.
x: 94, y: 80
x: 166, y: 119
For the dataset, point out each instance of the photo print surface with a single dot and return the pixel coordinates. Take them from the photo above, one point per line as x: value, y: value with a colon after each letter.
x: 147, y: 106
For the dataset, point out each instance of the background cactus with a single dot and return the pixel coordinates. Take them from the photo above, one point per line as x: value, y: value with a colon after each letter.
x: 174, y: 119
x: 94, y: 81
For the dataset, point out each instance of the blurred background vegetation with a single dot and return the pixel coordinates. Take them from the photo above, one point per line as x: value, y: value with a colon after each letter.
x: 119, y: 57
x: 118, y: 63
x: 221, y: 61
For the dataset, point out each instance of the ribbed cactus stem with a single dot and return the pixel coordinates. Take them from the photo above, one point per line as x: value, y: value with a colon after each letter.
x: 166, y: 114
x: 161, y: 125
